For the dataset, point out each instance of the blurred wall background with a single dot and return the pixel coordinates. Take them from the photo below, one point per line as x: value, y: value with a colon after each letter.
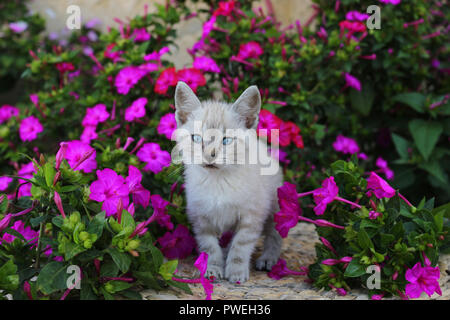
x: 54, y: 11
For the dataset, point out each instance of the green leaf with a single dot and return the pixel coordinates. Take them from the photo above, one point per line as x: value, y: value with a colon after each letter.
x: 52, y: 278
x: 49, y: 173
x: 9, y: 279
x: 439, y: 220
x: 434, y: 168
x: 401, y: 145
x: 72, y: 250
x: 354, y: 269
x: 426, y: 135
x: 122, y: 260
x: 96, y: 225
x: 109, y: 269
x: 364, y: 240
x: 180, y: 285
x: 58, y: 221
x: 362, y: 101
x: 157, y: 257
x: 3, y: 203
x: 414, y: 100
x: 167, y: 269
x: 120, y: 285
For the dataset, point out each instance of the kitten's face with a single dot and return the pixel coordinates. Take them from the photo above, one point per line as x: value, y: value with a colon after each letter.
x: 212, y: 134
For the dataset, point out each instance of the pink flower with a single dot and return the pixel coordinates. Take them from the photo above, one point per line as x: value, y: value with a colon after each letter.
x: 95, y: 115
x: 377, y: 296
x: 18, y: 27
x: 351, y: 81
x: 373, y: 215
x: 141, y: 35
x: 4, y: 183
x: 139, y: 193
x: 155, y: 158
x: 202, y: 265
x: 26, y: 172
x: 422, y: 279
x: 268, y: 122
x: 30, y: 128
x: 109, y: 188
x: 206, y: 64
x: 325, y: 195
x: 379, y: 186
x: 156, y: 55
x: 160, y: 211
x: 225, y: 8
x: 88, y: 134
x: 250, y: 50
x: 193, y: 77
x: 136, y: 110
x: 345, y: 145
x: 290, y: 132
x: 75, y: 151
x: 166, y: 79
x: 287, y: 217
x: 383, y: 165
x: 6, y: 112
x: 113, y: 55
x: 167, y: 125
x: 394, y: 2
x: 29, y: 234
x: 58, y: 203
x: 64, y: 67
x: 127, y: 79
x: 280, y: 270
x: 356, y: 16
x: 178, y: 244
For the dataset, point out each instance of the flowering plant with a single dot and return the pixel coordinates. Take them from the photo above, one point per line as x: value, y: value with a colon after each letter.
x: 19, y: 33
x: 365, y: 227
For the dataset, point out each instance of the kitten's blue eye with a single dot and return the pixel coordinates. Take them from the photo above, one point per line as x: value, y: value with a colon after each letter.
x: 227, y: 141
x: 196, y: 138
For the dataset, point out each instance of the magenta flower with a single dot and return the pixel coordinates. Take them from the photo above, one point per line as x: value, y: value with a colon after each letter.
x: 287, y: 217
x: 373, y: 215
x: 4, y: 183
x: 139, y: 193
x: 345, y: 145
x: 379, y: 187
x: 325, y: 195
x: 422, y: 279
x: 29, y: 234
x: 88, y: 134
x: 4, y: 223
x: 193, y: 77
x: 111, y: 54
x: 167, y: 125
x: 109, y: 188
x: 60, y: 154
x: 58, y: 202
x: 166, y: 79
x: 30, y: 128
x: 160, y: 211
x: 6, y: 112
x: 18, y: 27
x: 280, y: 270
x: 356, y: 16
x: 394, y: 2
x: 95, y: 115
x: 26, y: 172
x: 64, y: 67
x: 75, y: 152
x: 268, y: 122
x: 351, y: 81
x: 202, y: 265
x: 141, y: 35
x: 225, y: 8
x: 178, y: 244
x: 136, y: 110
x: 250, y: 50
x: 127, y: 79
x: 155, y: 158
x: 206, y: 64
x: 383, y: 165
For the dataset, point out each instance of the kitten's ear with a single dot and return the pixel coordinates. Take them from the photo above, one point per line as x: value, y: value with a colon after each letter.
x: 248, y: 106
x: 185, y: 102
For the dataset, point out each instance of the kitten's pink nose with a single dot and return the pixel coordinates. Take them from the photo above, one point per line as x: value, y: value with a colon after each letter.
x: 210, y: 154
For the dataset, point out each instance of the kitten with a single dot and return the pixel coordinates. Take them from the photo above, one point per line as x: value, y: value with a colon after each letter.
x: 225, y: 190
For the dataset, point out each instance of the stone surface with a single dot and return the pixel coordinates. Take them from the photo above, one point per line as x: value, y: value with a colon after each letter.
x: 298, y: 250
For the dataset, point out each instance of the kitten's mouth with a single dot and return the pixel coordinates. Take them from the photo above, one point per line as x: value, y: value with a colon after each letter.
x: 210, y: 166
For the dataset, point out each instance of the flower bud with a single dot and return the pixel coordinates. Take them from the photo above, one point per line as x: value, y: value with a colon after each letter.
x: 60, y: 154
x: 5, y: 221
x: 58, y: 203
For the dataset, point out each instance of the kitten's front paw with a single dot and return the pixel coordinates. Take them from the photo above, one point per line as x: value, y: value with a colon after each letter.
x: 237, y: 273
x: 265, y: 263
x: 215, y: 271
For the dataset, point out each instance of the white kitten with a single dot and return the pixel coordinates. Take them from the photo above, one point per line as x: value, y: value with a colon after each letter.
x: 226, y: 185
